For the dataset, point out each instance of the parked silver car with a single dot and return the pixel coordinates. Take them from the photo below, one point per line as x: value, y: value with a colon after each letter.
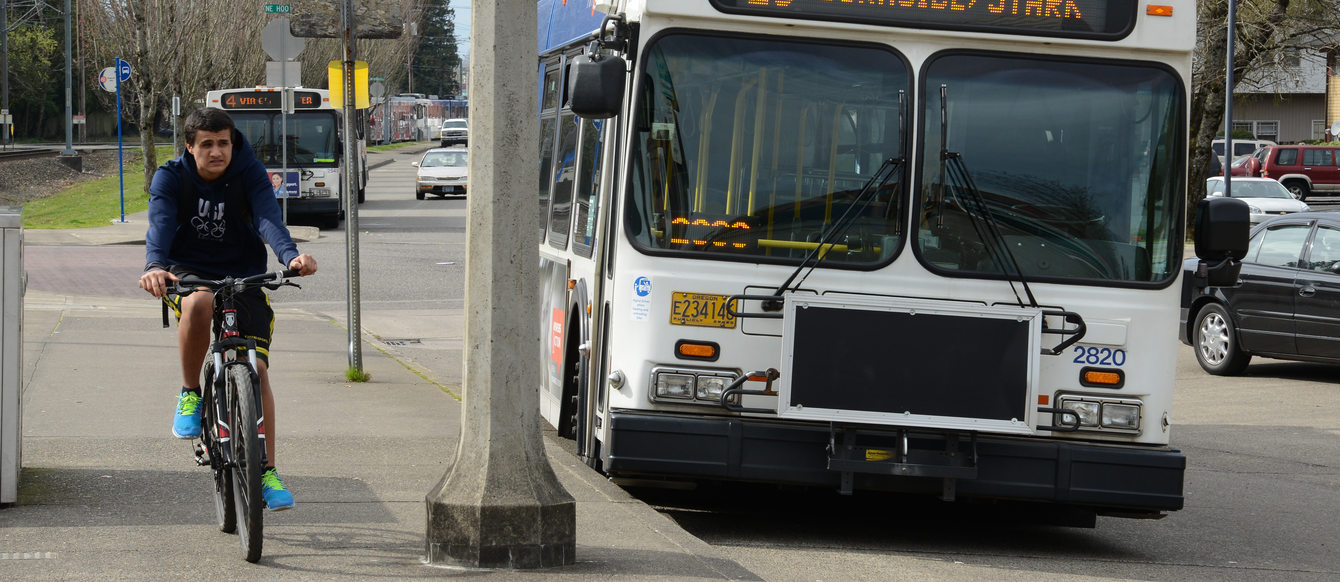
x: 1264, y: 197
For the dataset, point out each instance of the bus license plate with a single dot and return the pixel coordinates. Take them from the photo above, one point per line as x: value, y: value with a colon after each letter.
x: 701, y: 310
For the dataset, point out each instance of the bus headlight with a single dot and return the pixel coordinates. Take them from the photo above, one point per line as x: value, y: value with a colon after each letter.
x: 669, y: 385
x: 710, y: 387
x: 699, y: 386
x: 1085, y: 410
x: 1100, y: 414
x: 1121, y: 416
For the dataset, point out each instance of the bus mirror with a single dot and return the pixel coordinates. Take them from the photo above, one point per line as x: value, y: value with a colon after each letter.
x: 1222, y: 225
x: 595, y: 85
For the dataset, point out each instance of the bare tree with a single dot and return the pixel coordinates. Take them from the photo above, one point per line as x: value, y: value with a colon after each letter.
x: 185, y: 48
x: 175, y: 48
x: 1266, y: 29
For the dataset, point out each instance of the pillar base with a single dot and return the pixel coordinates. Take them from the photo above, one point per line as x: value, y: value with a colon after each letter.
x: 519, y: 535
x: 75, y: 162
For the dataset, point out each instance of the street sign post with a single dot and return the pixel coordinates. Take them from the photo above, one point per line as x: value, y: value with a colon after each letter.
x: 120, y: 72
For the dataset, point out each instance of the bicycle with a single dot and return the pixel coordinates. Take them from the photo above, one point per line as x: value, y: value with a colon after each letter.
x: 232, y: 439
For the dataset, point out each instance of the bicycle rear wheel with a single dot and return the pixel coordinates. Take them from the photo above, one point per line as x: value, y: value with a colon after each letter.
x: 224, y: 512
x: 247, y: 452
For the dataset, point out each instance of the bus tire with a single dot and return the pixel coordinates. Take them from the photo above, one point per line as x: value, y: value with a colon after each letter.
x: 1215, y: 341
x: 571, y: 401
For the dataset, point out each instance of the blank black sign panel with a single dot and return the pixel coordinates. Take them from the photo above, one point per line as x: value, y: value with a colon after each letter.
x: 924, y: 363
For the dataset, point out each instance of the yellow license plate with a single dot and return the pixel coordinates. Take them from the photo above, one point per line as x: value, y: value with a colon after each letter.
x: 701, y: 310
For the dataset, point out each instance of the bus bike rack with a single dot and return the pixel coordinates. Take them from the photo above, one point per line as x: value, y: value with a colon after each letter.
x: 848, y: 457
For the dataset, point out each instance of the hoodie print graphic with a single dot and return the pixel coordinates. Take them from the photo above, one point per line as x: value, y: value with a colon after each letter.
x: 208, y: 222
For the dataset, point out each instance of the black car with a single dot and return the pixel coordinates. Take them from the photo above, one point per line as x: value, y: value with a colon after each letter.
x: 1286, y: 304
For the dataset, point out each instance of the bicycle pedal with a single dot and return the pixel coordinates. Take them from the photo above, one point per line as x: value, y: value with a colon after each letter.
x: 200, y: 458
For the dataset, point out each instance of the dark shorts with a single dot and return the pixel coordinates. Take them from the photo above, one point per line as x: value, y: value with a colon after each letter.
x: 255, y: 318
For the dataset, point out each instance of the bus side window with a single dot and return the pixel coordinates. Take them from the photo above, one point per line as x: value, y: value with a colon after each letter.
x: 587, y: 196
x: 565, y: 174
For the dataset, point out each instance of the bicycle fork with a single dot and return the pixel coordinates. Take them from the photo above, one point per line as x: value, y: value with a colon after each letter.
x: 221, y: 418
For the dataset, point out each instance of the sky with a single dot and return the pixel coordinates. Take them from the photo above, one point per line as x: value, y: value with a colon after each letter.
x: 463, y: 15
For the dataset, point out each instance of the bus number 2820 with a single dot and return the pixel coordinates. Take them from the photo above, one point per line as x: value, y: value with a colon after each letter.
x: 1095, y: 356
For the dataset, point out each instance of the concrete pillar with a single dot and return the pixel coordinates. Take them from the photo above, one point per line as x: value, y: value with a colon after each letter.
x: 499, y: 505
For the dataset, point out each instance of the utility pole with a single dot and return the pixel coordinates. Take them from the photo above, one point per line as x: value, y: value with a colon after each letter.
x: 499, y: 504
x: 4, y: 71
x: 69, y: 85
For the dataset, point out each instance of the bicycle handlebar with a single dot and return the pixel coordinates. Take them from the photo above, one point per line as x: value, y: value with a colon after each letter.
x: 188, y: 285
x: 272, y: 280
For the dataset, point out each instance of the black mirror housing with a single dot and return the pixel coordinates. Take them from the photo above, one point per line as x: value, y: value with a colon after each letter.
x: 595, y: 85
x: 1222, y: 226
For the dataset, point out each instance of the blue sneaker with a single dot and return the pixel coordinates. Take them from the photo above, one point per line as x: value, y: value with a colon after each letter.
x: 277, y: 497
x: 186, y: 425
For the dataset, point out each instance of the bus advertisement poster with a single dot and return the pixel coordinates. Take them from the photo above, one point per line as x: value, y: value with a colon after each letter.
x: 285, y: 184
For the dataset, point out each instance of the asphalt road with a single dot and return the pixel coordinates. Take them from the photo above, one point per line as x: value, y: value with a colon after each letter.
x: 1262, y: 486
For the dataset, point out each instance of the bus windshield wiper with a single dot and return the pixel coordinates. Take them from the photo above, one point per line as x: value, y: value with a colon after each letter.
x: 887, y: 170
x: 954, y: 174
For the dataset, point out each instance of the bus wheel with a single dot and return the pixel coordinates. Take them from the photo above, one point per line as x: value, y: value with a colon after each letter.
x: 570, y: 403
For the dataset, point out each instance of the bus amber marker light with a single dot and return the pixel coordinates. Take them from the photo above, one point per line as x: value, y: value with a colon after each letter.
x: 1158, y: 10
x: 700, y: 351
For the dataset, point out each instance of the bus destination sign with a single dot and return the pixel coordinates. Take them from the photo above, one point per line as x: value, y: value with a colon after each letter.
x: 269, y: 100
x: 1098, y: 19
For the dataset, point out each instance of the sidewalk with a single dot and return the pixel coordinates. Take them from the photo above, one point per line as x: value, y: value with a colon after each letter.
x: 106, y: 493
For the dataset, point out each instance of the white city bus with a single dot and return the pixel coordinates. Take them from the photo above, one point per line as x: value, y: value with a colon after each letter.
x: 315, y: 157
x: 923, y: 246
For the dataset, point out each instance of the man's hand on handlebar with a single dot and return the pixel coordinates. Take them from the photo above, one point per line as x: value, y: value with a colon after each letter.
x: 304, y: 264
x: 156, y: 281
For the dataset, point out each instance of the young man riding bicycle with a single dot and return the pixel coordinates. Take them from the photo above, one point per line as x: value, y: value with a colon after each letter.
x: 211, y: 213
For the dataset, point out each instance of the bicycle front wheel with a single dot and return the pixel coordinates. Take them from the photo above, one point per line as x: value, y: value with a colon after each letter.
x: 247, y: 449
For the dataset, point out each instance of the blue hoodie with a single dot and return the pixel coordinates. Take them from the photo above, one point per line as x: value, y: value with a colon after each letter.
x: 217, y: 239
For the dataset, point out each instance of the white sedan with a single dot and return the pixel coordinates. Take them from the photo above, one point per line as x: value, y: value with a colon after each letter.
x: 1264, y: 196
x: 442, y: 171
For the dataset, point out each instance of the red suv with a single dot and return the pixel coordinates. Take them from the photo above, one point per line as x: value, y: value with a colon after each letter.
x: 1302, y: 169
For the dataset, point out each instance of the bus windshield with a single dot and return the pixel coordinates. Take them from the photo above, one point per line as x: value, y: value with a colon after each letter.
x: 311, y: 137
x: 748, y: 149
x: 1079, y: 163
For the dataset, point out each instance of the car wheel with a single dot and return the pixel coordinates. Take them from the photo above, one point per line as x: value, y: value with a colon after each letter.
x: 444, y: 144
x: 1216, y: 342
x: 418, y: 195
x: 1298, y: 187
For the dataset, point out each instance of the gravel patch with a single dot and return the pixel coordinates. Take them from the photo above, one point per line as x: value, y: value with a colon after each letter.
x: 25, y: 180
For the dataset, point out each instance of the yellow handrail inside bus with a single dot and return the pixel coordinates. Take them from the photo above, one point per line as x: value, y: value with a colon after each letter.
x: 736, y: 147
x: 760, y: 118
x: 832, y: 166
x: 802, y: 245
x: 704, y: 150
x: 776, y: 154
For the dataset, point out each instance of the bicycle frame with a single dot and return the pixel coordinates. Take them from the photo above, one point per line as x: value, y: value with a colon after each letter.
x: 236, y: 457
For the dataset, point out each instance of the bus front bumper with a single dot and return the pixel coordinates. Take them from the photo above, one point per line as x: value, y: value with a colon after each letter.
x: 1109, y: 479
x: 324, y: 205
